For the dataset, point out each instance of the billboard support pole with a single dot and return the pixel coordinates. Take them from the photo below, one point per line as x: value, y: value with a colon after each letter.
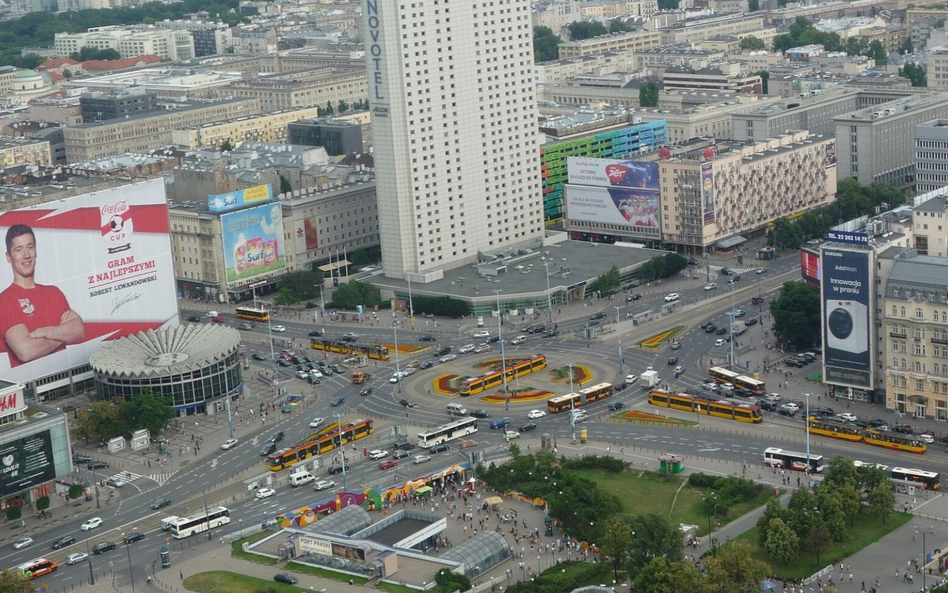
x: 732, y: 317
x: 398, y: 372
x: 230, y: 419
x: 549, y: 296
x: 503, y: 359
x: 619, y: 332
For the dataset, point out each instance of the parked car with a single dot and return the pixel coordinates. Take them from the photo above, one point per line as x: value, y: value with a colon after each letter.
x: 285, y: 577
x: 788, y: 409
x: 902, y: 428
x: 847, y: 416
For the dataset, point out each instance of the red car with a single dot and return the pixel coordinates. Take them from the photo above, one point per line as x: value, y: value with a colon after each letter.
x: 218, y: 319
x: 388, y: 464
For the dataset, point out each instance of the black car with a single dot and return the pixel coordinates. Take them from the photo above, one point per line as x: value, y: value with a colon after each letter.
x: 296, y: 360
x: 102, y: 547
x: 538, y: 329
x: 480, y: 414
x: 706, y: 324
x: 442, y: 351
x: 528, y: 329
x: 528, y: 427
x: 80, y: 458
x: 406, y: 403
x: 426, y: 365
x: 821, y: 411
x: 365, y: 391
x: 337, y: 368
x: 721, y: 331
x: 161, y: 503
x: 632, y: 297
x: 400, y: 453
x: 902, y: 428
x: 64, y: 541
x: 861, y: 423
x: 592, y: 324
x: 599, y: 315
x: 135, y: 536
x: 673, y: 361
x: 426, y: 339
x: 492, y: 340
x: 256, y: 356
x: 768, y: 404
x: 551, y: 334
x: 711, y: 329
x: 404, y: 446
x: 277, y: 437
x: 336, y: 468
x: 877, y: 423
x: 750, y: 321
x: 616, y: 406
x: 439, y: 448
x: 283, y: 363
x: 267, y: 449
x: 284, y: 577
x: 97, y: 465
x: 194, y: 319
x: 337, y: 401
x: 620, y: 386
x: 315, y: 333
x: 349, y: 337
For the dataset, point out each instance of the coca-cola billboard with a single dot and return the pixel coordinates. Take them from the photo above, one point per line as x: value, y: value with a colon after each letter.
x: 82, y: 271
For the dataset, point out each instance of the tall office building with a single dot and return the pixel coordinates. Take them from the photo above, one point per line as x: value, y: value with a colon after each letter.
x: 454, y: 126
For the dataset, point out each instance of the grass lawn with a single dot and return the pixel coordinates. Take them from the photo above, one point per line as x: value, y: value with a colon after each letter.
x: 237, y: 551
x: 322, y: 572
x: 648, y: 492
x: 216, y: 581
x: 393, y: 588
x: 867, y: 529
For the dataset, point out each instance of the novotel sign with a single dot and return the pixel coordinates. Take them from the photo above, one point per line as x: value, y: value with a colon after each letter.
x: 375, y: 48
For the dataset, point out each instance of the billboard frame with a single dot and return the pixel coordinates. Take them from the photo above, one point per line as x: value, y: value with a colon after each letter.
x: 847, y: 301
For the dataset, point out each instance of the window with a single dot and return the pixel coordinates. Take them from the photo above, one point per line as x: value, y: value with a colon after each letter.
x: 920, y: 384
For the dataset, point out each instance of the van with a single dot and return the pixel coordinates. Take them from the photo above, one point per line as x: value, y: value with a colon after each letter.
x: 518, y: 340
x: 301, y: 478
x: 211, y: 314
x: 167, y: 521
x: 457, y: 410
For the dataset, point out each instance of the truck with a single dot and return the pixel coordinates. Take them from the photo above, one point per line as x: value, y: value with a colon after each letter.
x: 738, y: 327
x: 648, y: 379
x: 359, y: 377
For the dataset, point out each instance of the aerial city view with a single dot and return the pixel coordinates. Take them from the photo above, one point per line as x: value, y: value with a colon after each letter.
x: 552, y: 296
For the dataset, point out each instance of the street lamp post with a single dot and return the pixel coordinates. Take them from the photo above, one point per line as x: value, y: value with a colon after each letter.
x: 929, y: 531
x: 807, y: 419
x: 89, y: 555
x: 411, y: 308
x: 131, y: 577
x: 206, y: 516
x: 230, y: 419
x: 342, y: 451
x: 731, y: 322
x: 712, y: 503
x: 398, y: 374
x: 500, y: 340
x: 95, y: 484
x: 572, y: 416
x: 549, y: 296
x: 619, y: 332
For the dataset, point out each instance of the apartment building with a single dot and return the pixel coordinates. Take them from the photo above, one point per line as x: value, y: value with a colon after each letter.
x: 559, y: 71
x: 265, y: 127
x: 628, y: 41
x: 210, y: 39
x: 24, y: 151
x: 711, y: 79
x: 878, y: 143
x: 712, y: 120
x: 147, y: 131
x: 337, y: 136
x: 302, y: 88
x: 704, y: 193
x: 705, y: 27
x: 938, y: 68
x: 921, y: 22
x: 930, y: 227
x: 99, y: 106
x: 174, y: 45
x: 931, y: 155
x: 676, y: 54
x: 556, y: 14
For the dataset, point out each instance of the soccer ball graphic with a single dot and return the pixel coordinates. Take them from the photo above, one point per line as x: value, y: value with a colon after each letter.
x: 116, y: 223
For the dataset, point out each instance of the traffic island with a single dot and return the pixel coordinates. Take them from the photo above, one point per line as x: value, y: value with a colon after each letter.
x: 655, y: 419
x: 446, y: 384
x: 581, y: 374
x: 215, y: 581
x: 528, y: 394
x: 657, y: 341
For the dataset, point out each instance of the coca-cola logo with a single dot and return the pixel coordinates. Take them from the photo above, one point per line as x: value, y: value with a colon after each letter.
x: 119, y: 207
x: 616, y: 173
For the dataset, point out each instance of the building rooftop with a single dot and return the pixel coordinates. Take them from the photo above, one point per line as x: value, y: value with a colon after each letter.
x: 899, y: 106
x: 161, y: 113
x: 168, y: 351
x: 913, y: 275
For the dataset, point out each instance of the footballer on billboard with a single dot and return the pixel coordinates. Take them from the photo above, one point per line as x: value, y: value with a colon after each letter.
x: 81, y: 271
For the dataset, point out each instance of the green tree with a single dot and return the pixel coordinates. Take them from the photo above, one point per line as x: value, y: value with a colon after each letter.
x: 618, y: 26
x: 303, y: 285
x: 616, y: 542
x: 783, y: 234
x: 580, y: 30
x: 882, y: 501
x: 802, y: 32
x: 226, y: 146
x: 328, y: 110
x: 907, y: 47
x: 546, y: 45
x: 13, y: 514
x: 800, y: 512
x: 343, y: 106
x: 782, y: 543
x: 442, y: 306
x: 668, y: 4
x: 831, y: 512
x: 149, y: 410
x: 42, y: 503
x: 764, y: 81
x: 609, y: 282
x: 11, y: 581
x: 751, y: 43
x: 816, y: 540
x: 734, y: 570
x: 453, y: 580
x: 796, y: 314
x: 360, y: 258
x: 855, y: 46
x: 662, y: 576
x: 67, y: 73
x: 101, y: 419
x: 877, y: 52
x: 772, y: 511
x: 285, y: 186
x: 75, y: 491
x: 915, y: 73
x: 870, y: 476
x: 355, y: 293
x: 753, y: 5
x: 655, y: 537
x: 648, y: 95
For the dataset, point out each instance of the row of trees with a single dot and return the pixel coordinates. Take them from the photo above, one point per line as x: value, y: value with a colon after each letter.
x: 812, y: 520
x: 802, y: 32
x: 663, y: 266
x: 796, y: 315
x: 546, y: 45
x: 915, y: 73
x: 852, y: 201
x: 107, y: 419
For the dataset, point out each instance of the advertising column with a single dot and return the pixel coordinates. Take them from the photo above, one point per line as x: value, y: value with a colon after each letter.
x: 846, y: 312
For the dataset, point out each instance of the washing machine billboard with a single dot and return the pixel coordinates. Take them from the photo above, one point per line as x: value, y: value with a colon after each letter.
x: 847, y: 355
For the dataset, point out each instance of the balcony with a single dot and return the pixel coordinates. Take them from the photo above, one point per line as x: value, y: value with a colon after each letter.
x: 894, y: 334
x: 939, y: 340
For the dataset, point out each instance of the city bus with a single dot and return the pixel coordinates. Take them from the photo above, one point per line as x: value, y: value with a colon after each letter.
x: 252, y: 314
x: 562, y: 403
x: 447, y: 432
x: 188, y: 526
x: 722, y: 375
x: 476, y: 385
x: 732, y: 409
x: 780, y: 458
x: 350, y: 349
x: 752, y: 385
x: 37, y: 568
x: 931, y: 480
x: 326, y: 440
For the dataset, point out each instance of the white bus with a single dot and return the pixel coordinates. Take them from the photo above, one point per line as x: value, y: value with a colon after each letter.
x: 448, y: 432
x: 188, y: 526
x: 780, y: 458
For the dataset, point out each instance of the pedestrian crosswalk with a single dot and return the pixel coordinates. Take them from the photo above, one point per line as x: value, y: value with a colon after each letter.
x: 159, y: 479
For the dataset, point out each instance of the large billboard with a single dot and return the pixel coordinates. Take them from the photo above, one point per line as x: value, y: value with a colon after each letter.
x: 307, y: 235
x: 707, y: 192
x: 241, y: 198
x: 82, y: 271
x: 846, y: 288
x: 613, y: 205
x: 810, y: 267
x: 26, y: 462
x: 253, y: 242
x: 613, y: 173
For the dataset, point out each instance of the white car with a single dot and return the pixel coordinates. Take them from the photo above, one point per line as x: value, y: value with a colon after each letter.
x: 421, y: 459
x: 672, y: 297
x: 448, y: 357
x: 76, y: 558
x: 264, y: 493
x: 719, y: 342
x: 408, y: 372
x: 466, y: 348
x: 534, y: 414
x: 847, y: 416
x: 316, y: 422
x: 315, y: 373
x: 23, y: 542
x: 396, y: 377
x: 302, y: 374
x: 228, y: 444
x: 482, y: 334
x: 323, y: 484
x: 926, y: 438
x: 91, y: 524
x: 377, y: 454
x: 277, y: 328
x: 710, y: 286
x: 511, y: 435
x: 482, y: 348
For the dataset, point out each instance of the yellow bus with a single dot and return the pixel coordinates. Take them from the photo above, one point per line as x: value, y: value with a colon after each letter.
x: 326, y: 440
x: 563, y: 403
x: 723, y: 408
x: 252, y: 314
